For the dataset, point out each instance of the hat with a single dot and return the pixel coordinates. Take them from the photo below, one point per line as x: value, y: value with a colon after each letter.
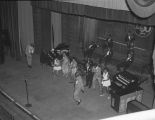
x: 142, y: 8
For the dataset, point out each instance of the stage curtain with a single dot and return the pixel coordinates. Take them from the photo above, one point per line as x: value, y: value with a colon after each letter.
x: 94, y: 12
x: 25, y: 23
x: 56, y: 29
x: 10, y: 23
x: 45, y: 29
x: 89, y: 30
x: 3, y: 10
x: 42, y: 29
x: 12, y: 27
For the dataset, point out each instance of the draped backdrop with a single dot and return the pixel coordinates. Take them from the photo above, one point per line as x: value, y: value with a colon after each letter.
x: 90, y: 26
x: 9, y: 19
x: 56, y: 29
x: 25, y: 23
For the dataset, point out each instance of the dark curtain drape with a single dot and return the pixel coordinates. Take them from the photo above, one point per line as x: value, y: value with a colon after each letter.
x: 9, y: 10
x: 90, y: 26
x: 42, y: 29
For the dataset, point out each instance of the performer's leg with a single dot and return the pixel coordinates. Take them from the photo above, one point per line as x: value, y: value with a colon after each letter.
x: 100, y: 84
x: 76, y: 96
x: 90, y: 81
x: 94, y: 82
x: 29, y: 61
x: 102, y: 91
x: 87, y: 80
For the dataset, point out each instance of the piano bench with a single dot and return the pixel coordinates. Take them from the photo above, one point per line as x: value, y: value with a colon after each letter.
x: 135, y: 106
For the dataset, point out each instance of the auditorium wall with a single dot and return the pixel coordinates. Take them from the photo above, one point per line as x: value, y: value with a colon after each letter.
x: 96, y: 30
x: 143, y: 41
x: 78, y: 31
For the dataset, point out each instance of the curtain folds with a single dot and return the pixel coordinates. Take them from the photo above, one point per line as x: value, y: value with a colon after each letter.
x: 25, y: 24
x: 90, y: 26
x: 56, y: 29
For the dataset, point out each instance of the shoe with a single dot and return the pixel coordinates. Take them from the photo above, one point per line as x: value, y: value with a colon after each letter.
x: 102, y: 95
x: 71, y: 82
x: 82, y: 91
x: 78, y: 102
x: 29, y: 66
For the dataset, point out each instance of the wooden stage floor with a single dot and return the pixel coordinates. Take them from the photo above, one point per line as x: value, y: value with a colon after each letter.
x: 51, y: 95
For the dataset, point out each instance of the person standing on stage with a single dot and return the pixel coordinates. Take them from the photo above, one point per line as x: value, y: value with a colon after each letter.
x: 130, y: 38
x: 78, y: 87
x: 89, y: 73
x: 109, y: 41
x: 108, y: 56
x: 73, y: 67
x: 29, y: 52
x: 125, y: 64
x: 106, y: 82
x: 97, y: 75
x: 57, y: 66
x: 129, y: 59
x: 65, y: 65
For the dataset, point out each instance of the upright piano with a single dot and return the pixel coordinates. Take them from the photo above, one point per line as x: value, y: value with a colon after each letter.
x: 124, y: 88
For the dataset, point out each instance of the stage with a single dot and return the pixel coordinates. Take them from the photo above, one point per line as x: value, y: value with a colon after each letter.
x: 51, y: 95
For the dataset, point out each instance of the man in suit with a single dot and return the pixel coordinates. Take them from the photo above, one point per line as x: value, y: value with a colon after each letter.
x: 127, y: 62
x: 89, y: 73
x: 130, y: 38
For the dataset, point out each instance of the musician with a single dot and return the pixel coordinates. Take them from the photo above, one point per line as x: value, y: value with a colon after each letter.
x: 91, y: 48
x: 65, y: 65
x: 127, y: 62
x: 97, y: 75
x: 57, y: 65
x: 78, y: 87
x: 106, y: 82
x: 108, y: 55
x: 130, y: 58
x: 109, y: 41
x: 89, y: 73
x: 130, y: 38
x: 53, y: 53
x: 29, y: 52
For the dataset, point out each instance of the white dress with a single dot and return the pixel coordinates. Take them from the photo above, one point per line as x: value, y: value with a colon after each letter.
x: 105, y: 80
